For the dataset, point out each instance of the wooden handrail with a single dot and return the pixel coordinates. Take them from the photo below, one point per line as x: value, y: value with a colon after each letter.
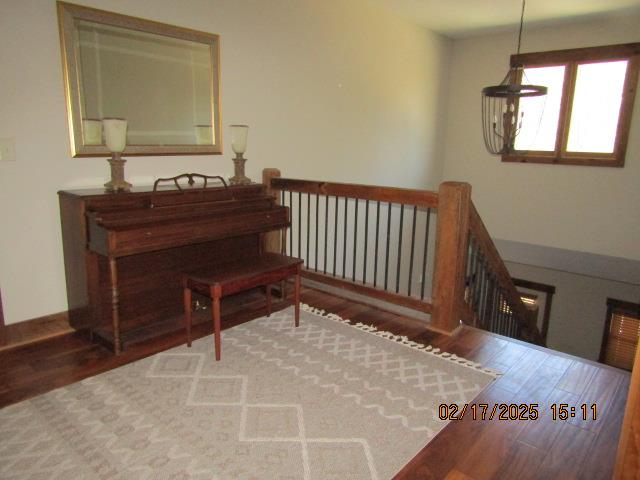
x: 407, y: 196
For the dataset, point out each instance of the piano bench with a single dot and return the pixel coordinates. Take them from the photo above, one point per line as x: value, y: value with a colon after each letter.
x: 238, y: 276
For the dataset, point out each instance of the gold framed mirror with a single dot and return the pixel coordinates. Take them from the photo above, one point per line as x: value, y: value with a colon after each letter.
x: 164, y: 80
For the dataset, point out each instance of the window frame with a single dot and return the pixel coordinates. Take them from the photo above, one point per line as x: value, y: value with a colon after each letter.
x: 570, y: 59
x: 615, y: 307
x: 548, y: 290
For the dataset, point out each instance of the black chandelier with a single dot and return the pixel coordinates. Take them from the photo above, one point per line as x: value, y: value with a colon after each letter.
x: 501, y: 123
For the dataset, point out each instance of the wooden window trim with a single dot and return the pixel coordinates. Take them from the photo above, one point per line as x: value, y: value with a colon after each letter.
x: 570, y: 59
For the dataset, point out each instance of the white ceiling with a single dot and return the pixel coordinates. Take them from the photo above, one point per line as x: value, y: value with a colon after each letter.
x: 458, y: 18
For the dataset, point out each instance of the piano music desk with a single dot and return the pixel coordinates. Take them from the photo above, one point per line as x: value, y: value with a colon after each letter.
x: 265, y: 270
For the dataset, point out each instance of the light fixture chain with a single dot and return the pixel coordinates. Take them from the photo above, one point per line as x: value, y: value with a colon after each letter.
x: 521, y: 22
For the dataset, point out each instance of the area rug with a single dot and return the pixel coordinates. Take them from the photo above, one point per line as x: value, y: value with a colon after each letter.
x: 326, y: 400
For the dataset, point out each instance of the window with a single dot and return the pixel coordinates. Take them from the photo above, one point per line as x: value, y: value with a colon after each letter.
x: 585, y: 117
x: 621, y: 330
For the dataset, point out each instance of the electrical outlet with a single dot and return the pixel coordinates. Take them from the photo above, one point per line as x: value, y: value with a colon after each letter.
x: 7, y: 150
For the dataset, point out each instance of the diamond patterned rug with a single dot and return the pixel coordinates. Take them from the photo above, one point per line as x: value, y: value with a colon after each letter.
x: 326, y: 400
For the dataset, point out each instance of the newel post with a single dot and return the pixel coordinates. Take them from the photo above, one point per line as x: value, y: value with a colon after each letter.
x: 452, y: 236
x: 271, y: 239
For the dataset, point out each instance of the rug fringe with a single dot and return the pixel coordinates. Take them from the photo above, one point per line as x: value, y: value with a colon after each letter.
x: 403, y: 340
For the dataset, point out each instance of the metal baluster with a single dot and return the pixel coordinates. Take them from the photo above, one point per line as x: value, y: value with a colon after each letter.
x: 375, y: 258
x: 299, y: 224
x: 474, y: 273
x: 366, y: 239
x: 317, y: 227
x: 467, y: 278
x: 386, y: 261
x: 513, y: 322
x: 399, y: 248
x: 355, y: 241
x: 291, y: 222
x: 485, y: 310
x: 483, y: 291
x: 335, y: 238
x: 424, y: 255
x: 326, y: 227
x: 498, y: 307
x: 413, y: 240
x: 504, y: 320
x: 478, y: 294
x: 468, y: 283
x: 307, y: 261
x: 284, y: 240
x: 344, y: 244
x: 494, y: 293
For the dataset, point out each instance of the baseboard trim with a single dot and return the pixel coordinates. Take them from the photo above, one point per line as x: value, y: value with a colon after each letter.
x: 32, y: 331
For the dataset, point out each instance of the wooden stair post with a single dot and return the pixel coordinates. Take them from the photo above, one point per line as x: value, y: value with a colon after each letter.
x: 452, y: 237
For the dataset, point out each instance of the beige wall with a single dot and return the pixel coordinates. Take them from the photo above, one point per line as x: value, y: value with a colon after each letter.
x: 332, y: 89
x: 579, y: 307
x: 586, y: 209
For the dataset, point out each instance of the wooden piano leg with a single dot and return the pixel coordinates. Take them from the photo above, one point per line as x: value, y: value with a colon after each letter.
x: 215, y: 299
x: 268, y: 294
x: 296, y: 297
x: 187, y: 312
x: 115, y: 302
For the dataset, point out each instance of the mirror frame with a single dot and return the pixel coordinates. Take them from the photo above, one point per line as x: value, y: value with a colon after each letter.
x: 67, y: 15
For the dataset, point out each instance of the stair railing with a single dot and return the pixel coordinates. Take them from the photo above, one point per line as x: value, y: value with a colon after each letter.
x: 491, y: 300
x: 379, y: 242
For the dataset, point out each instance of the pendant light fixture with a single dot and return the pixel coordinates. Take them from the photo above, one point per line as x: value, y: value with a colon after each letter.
x: 501, y: 122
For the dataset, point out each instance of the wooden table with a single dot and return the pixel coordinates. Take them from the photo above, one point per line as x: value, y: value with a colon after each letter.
x: 250, y: 272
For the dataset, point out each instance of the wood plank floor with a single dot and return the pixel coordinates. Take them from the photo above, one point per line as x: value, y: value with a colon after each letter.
x: 465, y: 449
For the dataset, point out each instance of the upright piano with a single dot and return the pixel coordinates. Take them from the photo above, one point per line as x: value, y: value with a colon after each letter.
x: 124, y: 253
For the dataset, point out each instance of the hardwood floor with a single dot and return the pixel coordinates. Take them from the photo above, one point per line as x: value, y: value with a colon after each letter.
x: 465, y: 449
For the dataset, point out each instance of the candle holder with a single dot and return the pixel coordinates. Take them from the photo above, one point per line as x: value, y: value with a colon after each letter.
x: 239, y: 145
x: 115, y: 134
